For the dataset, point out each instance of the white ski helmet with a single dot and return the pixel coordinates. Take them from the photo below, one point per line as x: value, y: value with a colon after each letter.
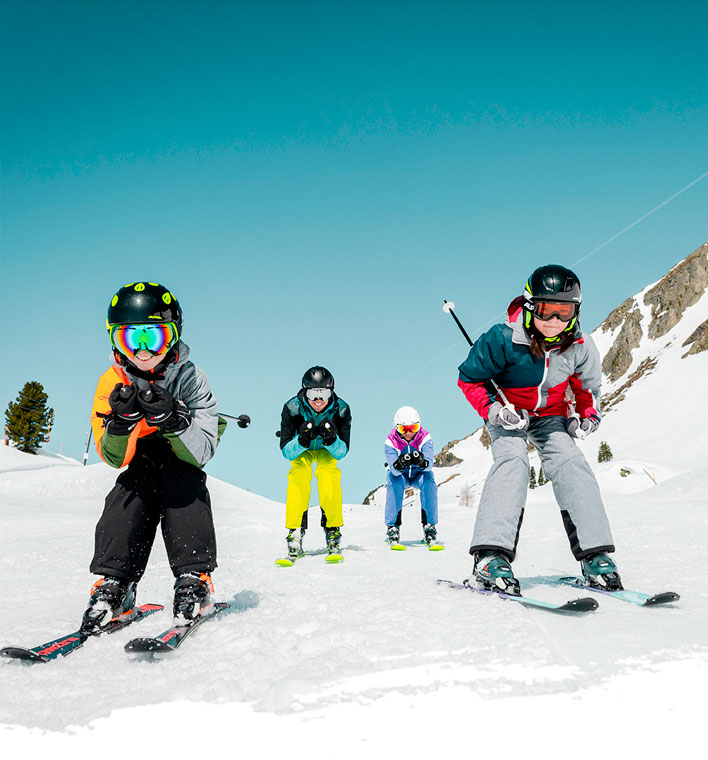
x: 406, y: 415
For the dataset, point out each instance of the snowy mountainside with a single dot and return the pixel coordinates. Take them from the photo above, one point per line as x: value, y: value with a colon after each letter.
x: 654, y: 348
x: 329, y: 658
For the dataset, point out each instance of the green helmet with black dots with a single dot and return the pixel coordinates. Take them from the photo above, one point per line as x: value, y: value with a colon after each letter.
x: 144, y: 303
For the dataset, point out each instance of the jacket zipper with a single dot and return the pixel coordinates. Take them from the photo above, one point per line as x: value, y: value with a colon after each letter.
x: 543, y: 380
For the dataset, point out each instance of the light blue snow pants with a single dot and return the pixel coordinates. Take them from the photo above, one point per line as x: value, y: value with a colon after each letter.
x: 425, y: 482
x: 501, y: 506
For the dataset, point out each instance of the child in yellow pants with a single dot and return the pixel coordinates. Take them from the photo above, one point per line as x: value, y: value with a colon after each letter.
x: 314, y: 429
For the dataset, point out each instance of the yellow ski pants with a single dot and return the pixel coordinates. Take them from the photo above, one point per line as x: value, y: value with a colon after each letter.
x: 329, y: 486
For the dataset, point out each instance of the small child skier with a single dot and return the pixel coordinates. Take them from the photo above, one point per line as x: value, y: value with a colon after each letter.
x: 314, y: 429
x: 409, y: 459
x: 533, y: 357
x: 154, y: 412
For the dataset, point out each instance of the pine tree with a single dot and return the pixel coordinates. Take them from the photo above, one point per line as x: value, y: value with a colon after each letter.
x: 28, y: 420
x: 532, y: 478
x: 604, y: 453
x: 541, y: 477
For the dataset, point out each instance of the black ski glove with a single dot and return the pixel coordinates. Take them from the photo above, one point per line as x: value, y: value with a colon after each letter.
x: 163, y: 410
x: 328, y: 431
x: 403, y: 461
x: 419, y: 460
x: 125, y: 410
x: 308, y: 433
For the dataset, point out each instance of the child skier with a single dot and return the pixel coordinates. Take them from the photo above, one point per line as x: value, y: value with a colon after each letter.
x: 154, y: 412
x: 533, y: 357
x: 314, y: 429
x: 409, y: 459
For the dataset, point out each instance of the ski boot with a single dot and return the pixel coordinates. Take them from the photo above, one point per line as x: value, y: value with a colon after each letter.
x: 294, y: 539
x: 393, y: 534
x: 600, y: 571
x: 493, y: 571
x: 333, y: 536
x: 111, y: 599
x: 192, y: 597
x: 430, y: 535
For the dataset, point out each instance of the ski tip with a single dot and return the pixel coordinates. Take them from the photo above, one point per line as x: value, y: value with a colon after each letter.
x: 285, y: 562
x: 398, y: 547
x: 147, y: 646
x: 333, y: 559
x: 436, y: 548
x: 20, y: 653
x: 666, y: 597
x: 584, y: 604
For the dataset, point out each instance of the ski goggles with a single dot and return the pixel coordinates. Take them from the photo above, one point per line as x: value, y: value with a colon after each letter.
x: 313, y: 394
x: 156, y: 338
x: 564, y: 310
x: 408, y: 428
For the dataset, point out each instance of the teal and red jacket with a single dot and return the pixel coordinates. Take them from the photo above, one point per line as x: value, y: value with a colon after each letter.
x: 544, y: 386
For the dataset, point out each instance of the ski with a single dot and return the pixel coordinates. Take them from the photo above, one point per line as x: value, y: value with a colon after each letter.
x: 633, y: 597
x: 289, y: 561
x: 433, y: 547
x: 172, y: 638
x: 332, y: 558
x: 585, y: 604
x: 69, y: 643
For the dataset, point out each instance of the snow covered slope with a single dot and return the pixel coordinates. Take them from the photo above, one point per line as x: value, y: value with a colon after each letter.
x: 367, y: 656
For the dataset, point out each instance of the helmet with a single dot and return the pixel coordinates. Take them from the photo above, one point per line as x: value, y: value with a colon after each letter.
x: 554, y: 283
x: 143, y: 303
x: 406, y: 415
x: 318, y: 377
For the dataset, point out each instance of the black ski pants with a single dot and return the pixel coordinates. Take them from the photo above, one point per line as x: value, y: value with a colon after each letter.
x: 156, y: 489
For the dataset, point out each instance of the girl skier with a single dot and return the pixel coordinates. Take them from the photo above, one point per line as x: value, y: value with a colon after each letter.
x: 534, y: 358
x: 153, y: 411
x: 314, y: 429
x: 409, y: 459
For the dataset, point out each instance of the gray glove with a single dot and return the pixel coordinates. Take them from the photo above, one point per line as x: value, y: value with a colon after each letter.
x: 507, y: 417
x: 578, y: 428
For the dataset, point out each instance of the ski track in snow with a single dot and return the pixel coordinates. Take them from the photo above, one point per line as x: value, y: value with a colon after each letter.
x: 316, y: 642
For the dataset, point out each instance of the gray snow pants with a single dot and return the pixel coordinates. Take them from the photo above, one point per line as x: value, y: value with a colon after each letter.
x: 501, y: 506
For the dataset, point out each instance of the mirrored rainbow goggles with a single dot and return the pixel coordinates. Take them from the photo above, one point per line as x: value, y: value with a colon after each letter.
x: 157, y: 338
x: 408, y: 428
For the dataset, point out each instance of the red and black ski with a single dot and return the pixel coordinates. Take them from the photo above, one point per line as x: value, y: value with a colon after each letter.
x: 70, y: 642
x: 172, y: 638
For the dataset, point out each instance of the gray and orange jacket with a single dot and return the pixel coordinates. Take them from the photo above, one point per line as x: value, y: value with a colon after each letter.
x: 195, y: 444
x: 537, y: 384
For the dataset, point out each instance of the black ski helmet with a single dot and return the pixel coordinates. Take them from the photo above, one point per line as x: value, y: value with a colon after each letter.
x: 552, y: 282
x: 143, y: 303
x: 318, y: 377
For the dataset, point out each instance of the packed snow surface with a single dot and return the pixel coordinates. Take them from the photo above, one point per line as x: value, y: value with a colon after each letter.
x: 368, y: 655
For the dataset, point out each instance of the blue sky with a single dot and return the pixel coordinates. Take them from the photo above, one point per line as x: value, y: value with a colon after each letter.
x: 312, y: 179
